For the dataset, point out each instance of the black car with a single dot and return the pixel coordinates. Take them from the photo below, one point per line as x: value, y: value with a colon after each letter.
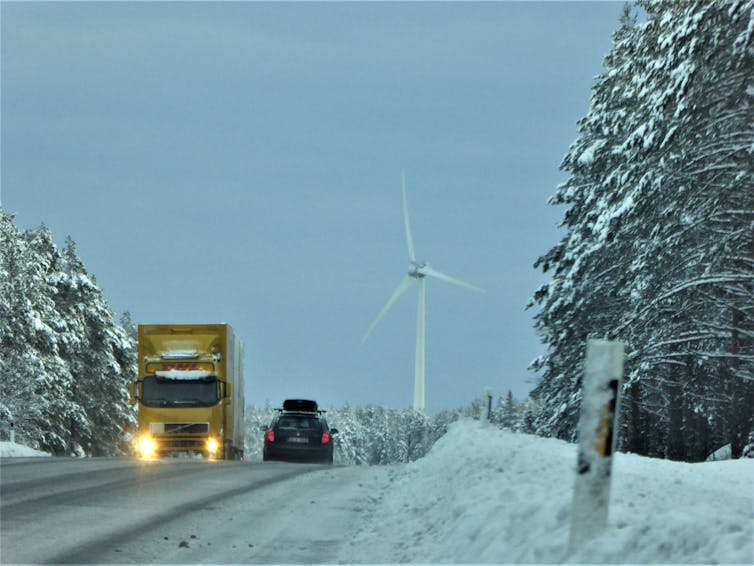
x: 299, y: 432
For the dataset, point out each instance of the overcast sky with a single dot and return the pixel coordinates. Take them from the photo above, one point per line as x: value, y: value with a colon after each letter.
x: 241, y: 163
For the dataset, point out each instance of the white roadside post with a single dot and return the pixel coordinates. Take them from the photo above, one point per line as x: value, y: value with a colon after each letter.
x: 603, y: 373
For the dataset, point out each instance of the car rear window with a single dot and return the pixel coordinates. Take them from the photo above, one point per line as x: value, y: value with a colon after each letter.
x: 301, y: 423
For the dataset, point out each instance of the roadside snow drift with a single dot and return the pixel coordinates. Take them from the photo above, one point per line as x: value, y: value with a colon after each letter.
x: 13, y: 450
x: 483, y: 495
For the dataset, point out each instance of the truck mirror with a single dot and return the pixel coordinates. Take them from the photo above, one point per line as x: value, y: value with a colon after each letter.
x: 227, y: 390
x: 132, y: 391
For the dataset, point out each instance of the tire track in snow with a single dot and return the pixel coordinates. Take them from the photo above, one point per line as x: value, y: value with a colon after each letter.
x: 24, y: 497
x: 91, y: 551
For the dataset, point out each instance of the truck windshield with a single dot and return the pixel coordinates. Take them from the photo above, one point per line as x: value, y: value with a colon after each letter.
x: 159, y: 392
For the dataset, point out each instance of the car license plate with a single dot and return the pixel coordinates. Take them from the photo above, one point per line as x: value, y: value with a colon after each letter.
x: 298, y: 440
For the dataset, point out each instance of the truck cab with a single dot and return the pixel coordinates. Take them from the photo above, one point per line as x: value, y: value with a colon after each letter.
x: 189, y: 391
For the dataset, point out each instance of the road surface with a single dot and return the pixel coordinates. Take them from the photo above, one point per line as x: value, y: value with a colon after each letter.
x: 100, y: 510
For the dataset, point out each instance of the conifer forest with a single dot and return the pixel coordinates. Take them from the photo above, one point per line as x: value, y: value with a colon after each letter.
x: 658, y: 249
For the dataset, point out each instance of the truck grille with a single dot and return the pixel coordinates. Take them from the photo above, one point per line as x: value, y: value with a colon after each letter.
x: 172, y: 444
x: 179, y: 428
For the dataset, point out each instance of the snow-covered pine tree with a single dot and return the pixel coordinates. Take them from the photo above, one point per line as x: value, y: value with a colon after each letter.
x: 101, y: 356
x: 585, y: 292
x: 57, y: 389
x: 508, y: 413
x: 417, y: 432
x: 20, y: 361
x: 658, y: 249
x: 254, y: 419
x: 693, y: 282
x: 350, y: 435
x: 12, y: 388
x: 35, y: 385
x: 64, y: 361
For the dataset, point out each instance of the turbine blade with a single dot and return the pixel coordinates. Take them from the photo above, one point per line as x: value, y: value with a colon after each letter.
x: 409, y: 240
x: 431, y: 272
x: 403, y: 286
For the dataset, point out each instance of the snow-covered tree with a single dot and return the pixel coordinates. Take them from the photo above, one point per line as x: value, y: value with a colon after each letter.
x: 65, y: 362
x: 101, y: 356
x: 659, y: 243
x: 508, y: 413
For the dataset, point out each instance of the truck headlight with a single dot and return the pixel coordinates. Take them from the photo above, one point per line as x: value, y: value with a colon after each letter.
x: 147, y: 446
x: 212, y: 445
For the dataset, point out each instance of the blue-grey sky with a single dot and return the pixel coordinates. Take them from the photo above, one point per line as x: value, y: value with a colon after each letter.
x: 241, y: 163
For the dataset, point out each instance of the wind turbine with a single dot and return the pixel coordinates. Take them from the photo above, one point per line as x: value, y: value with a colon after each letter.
x: 417, y: 273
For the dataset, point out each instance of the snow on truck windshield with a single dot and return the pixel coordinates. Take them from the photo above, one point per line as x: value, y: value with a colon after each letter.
x: 160, y: 392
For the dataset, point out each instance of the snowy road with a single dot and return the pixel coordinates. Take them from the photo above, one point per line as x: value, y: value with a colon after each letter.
x: 481, y: 496
x: 176, y: 511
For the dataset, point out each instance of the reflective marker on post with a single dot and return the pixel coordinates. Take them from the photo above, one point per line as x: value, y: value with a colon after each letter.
x: 603, y: 373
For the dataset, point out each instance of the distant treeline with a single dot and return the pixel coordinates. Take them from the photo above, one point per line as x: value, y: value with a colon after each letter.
x: 376, y: 435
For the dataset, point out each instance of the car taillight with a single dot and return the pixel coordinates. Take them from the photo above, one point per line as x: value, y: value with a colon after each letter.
x: 271, y: 435
x: 325, y: 437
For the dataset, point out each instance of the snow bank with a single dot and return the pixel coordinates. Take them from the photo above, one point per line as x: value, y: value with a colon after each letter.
x: 488, y: 496
x: 13, y: 450
x: 483, y: 495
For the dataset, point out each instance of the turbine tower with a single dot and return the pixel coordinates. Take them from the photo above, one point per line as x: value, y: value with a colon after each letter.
x: 417, y: 273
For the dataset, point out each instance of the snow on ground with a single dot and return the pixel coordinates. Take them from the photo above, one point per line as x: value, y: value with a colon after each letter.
x: 13, y: 450
x: 483, y: 495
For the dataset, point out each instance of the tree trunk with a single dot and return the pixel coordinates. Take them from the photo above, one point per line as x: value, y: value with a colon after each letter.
x: 675, y: 447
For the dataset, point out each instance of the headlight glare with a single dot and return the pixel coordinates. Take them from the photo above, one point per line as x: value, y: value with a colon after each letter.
x: 147, y: 446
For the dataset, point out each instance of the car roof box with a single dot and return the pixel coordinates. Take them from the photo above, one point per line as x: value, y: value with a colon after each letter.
x: 300, y: 405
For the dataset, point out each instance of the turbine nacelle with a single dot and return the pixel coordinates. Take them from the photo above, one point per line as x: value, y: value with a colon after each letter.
x: 415, y: 269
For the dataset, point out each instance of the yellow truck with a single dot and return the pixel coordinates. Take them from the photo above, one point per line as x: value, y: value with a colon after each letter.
x: 189, y: 391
